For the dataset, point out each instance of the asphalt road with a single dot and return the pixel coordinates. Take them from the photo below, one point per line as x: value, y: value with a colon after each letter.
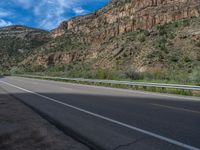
x: 113, y: 119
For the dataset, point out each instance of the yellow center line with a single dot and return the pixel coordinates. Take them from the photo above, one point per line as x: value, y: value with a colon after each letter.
x: 177, y: 108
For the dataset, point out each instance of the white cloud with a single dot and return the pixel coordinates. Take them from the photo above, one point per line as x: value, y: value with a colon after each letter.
x: 25, y: 3
x: 51, y: 12
x: 4, y: 13
x: 80, y: 11
x: 4, y: 23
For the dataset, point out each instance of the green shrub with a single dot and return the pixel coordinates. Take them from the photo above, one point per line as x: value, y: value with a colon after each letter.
x: 185, y: 23
x: 15, y: 70
x: 195, y: 75
x: 187, y: 59
x: 162, y: 30
x: 141, y: 38
x: 105, y: 74
x: 174, y: 58
x: 36, y: 68
x: 133, y: 75
x: 198, y: 57
x: 197, y: 44
x: 54, y: 68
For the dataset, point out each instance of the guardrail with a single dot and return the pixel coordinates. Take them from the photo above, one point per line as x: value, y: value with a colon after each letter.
x: 145, y: 84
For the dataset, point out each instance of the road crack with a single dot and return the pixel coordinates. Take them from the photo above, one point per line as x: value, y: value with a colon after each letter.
x: 128, y: 144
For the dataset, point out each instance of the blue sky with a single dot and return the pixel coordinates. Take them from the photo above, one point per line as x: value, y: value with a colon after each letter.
x: 46, y: 14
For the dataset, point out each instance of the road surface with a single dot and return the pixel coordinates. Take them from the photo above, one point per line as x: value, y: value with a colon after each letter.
x: 113, y: 119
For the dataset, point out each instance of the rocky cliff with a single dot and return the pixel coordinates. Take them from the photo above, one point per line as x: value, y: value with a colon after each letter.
x: 90, y: 38
x: 122, y: 16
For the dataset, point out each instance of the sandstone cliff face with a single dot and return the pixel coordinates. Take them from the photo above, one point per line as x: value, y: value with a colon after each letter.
x: 121, y: 16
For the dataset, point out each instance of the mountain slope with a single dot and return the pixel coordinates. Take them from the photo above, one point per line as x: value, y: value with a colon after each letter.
x: 16, y: 42
x: 156, y: 39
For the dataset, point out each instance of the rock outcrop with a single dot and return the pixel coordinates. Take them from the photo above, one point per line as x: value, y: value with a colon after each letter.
x: 121, y: 16
x: 90, y: 37
x: 24, y: 32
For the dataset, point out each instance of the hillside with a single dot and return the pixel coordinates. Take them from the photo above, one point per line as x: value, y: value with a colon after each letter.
x: 16, y: 42
x: 137, y: 39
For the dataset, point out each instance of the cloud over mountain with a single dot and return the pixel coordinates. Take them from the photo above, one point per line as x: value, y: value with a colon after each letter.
x: 4, y: 23
x: 45, y: 14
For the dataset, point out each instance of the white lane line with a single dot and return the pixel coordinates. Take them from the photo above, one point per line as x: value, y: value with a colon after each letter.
x: 110, y: 120
x: 176, y: 108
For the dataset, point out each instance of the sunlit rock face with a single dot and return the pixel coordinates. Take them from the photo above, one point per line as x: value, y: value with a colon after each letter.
x: 108, y: 38
x: 121, y: 16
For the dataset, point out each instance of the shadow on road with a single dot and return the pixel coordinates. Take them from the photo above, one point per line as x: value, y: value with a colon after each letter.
x: 21, y: 128
x: 174, y: 121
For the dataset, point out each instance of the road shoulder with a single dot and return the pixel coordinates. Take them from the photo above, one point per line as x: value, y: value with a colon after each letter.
x: 21, y: 128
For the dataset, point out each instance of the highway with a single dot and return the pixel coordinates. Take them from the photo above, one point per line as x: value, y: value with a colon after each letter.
x: 112, y: 119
